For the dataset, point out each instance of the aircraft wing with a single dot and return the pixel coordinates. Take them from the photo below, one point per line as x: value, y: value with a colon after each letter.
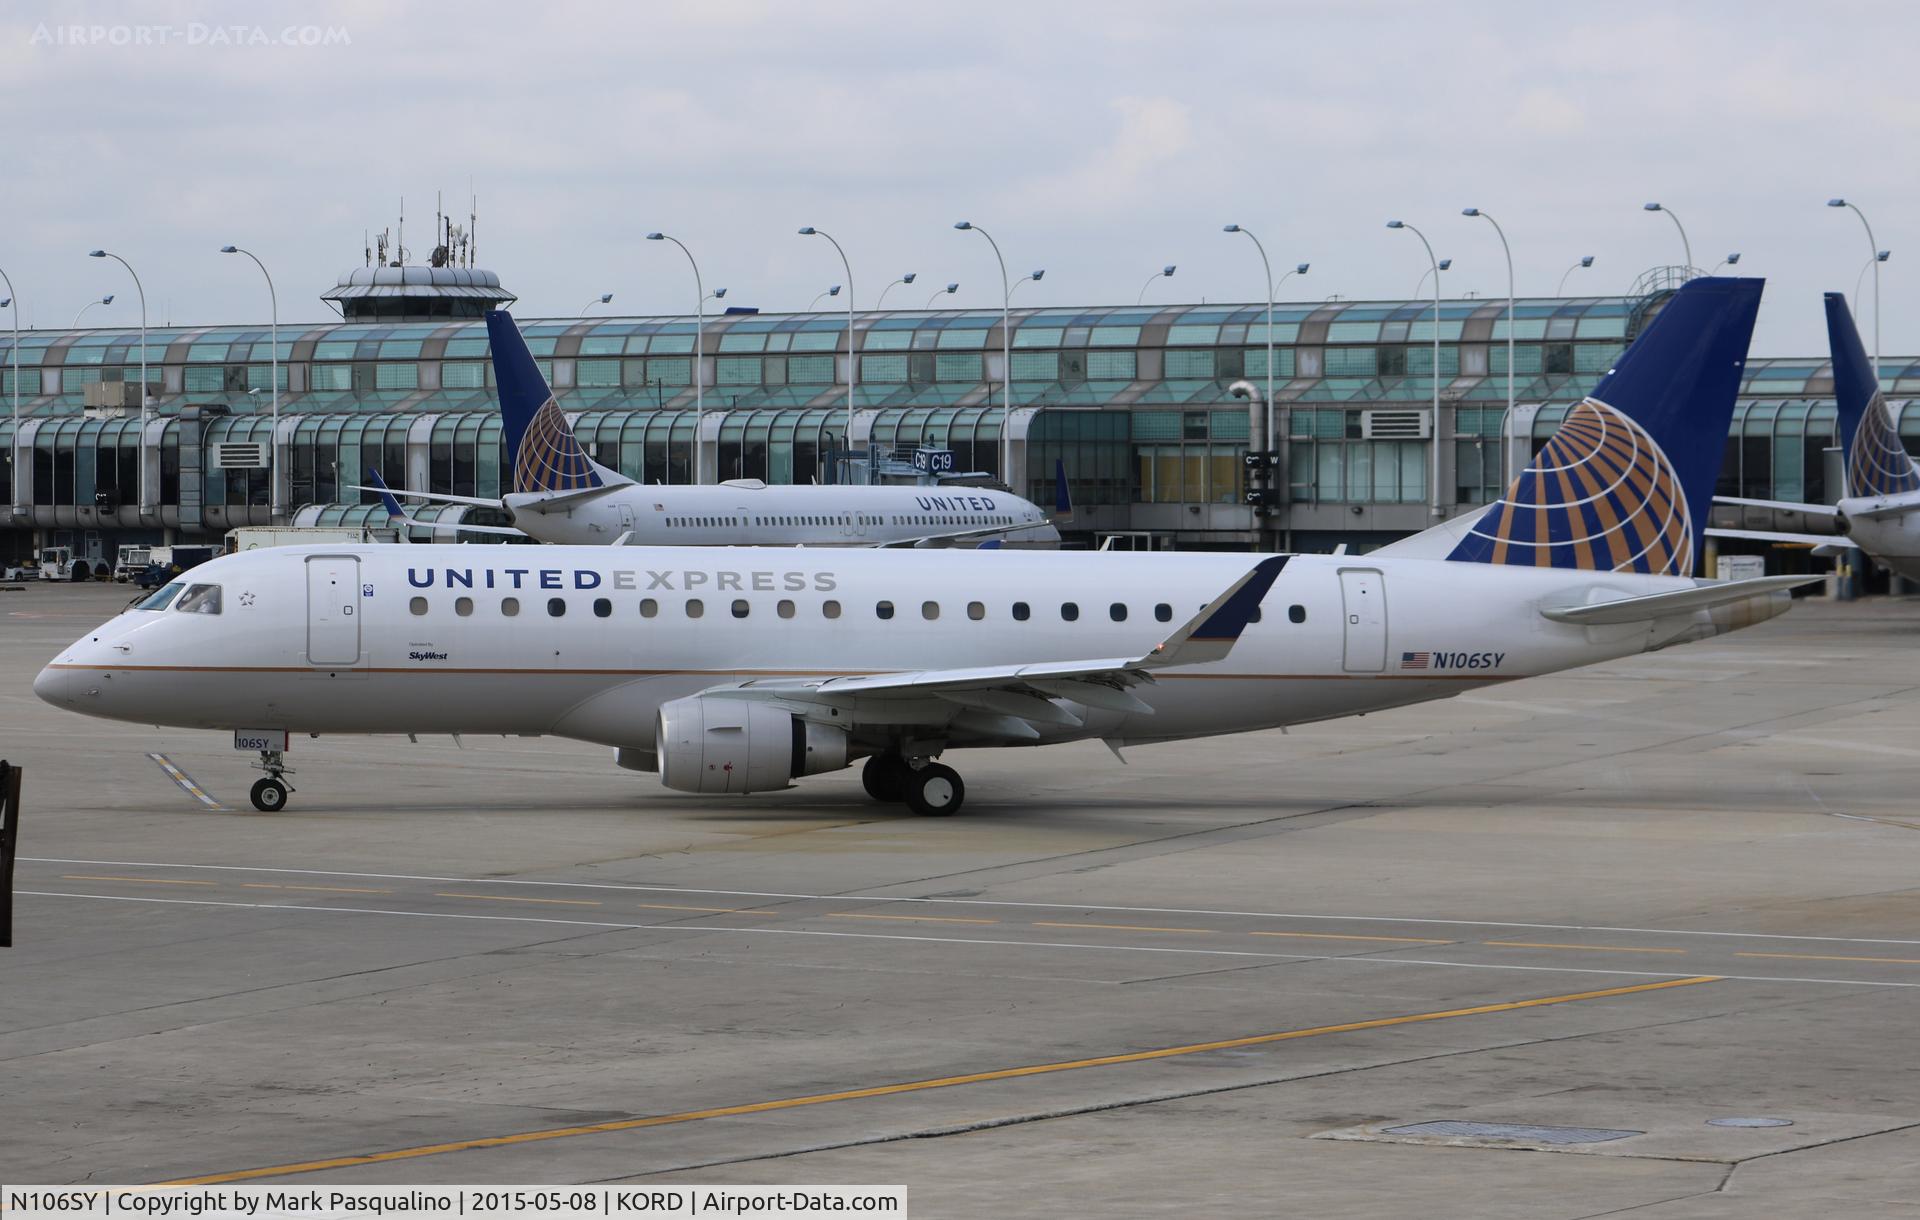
x: 1815, y: 540
x: 1680, y: 601
x: 1788, y: 506
x: 399, y: 517
x: 1007, y: 702
x: 384, y: 490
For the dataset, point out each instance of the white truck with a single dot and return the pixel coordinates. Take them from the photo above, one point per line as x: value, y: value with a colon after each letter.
x: 59, y: 563
x: 131, y: 560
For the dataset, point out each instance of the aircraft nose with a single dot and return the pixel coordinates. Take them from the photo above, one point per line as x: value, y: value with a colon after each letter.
x: 54, y: 685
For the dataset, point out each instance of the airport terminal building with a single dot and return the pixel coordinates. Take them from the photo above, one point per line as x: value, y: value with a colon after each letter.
x: 1134, y: 401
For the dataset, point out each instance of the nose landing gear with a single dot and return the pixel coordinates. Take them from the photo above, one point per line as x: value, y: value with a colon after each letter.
x: 269, y: 795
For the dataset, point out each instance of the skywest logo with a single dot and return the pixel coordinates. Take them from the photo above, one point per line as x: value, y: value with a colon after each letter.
x: 1451, y: 660
x: 625, y: 578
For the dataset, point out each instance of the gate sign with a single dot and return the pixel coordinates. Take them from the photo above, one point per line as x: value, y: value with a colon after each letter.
x: 933, y: 461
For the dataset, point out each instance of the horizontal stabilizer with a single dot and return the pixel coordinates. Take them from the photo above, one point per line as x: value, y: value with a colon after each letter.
x: 384, y: 490
x: 1781, y: 536
x: 1784, y: 506
x: 1680, y: 601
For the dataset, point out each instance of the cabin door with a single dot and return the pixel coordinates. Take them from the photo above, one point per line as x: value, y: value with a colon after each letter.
x: 333, y: 610
x: 1363, y: 601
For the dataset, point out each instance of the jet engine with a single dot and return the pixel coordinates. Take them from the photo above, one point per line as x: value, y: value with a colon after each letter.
x: 714, y: 745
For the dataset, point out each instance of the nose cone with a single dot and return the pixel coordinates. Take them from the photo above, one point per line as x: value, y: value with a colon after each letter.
x: 55, y: 686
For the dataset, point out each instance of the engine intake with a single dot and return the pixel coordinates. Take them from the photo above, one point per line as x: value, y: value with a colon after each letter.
x: 711, y: 745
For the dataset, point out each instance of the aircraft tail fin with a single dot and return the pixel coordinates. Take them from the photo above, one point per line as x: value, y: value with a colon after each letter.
x: 542, y: 452
x: 1626, y: 483
x: 1877, y: 463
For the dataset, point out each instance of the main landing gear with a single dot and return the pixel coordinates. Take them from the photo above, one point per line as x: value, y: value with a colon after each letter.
x: 928, y: 788
x: 269, y: 795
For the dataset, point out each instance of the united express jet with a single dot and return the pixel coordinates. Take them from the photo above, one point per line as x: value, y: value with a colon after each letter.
x: 727, y: 670
x: 560, y: 494
x: 1879, y: 511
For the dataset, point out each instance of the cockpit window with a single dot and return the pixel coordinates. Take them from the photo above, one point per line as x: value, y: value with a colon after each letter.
x: 200, y: 599
x: 161, y: 598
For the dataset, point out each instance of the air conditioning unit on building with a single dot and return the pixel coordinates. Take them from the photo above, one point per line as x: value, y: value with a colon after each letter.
x: 1395, y: 425
x: 111, y: 396
x: 240, y: 455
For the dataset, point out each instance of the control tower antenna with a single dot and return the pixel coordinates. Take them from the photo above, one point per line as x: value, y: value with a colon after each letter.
x: 366, y: 240
x: 473, y: 224
x: 400, y: 236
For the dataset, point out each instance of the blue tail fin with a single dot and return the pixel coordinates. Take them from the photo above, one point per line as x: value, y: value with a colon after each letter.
x: 1062, y: 502
x: 541, y: 449
x: 1625, y: 484
x: 1877, y: 463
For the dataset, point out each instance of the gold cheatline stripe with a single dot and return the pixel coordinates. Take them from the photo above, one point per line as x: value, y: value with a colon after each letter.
x: 915, y: 1086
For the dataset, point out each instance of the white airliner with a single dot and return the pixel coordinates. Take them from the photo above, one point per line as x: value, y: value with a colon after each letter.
x: 731, y: 670
x: 1880, y: 509
x: 561, y: 495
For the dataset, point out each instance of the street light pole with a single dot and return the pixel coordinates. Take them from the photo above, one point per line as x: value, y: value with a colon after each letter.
x: 1273, y: 444
x: 908, y: 278
x: 948, y: 291
x: 143, y: 367
x: 274, y: 506
x: 853, y: 347
x: 1879, y: 257
x: 1433, y: 428
x: 1006, y: 355
x: 1506, y: 423
x: 105, y: 300
x: 1164, y: 273
x: 604, y: 298
x: 1873, y: 248
x: 1586, y: 260
x: 19, y: 505
x: 699, y: 348
x: 1685, y: 245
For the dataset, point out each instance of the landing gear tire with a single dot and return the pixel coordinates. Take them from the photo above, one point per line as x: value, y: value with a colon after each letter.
x: 935, y: 791
x: 269, y: 795
x: 885, y: 777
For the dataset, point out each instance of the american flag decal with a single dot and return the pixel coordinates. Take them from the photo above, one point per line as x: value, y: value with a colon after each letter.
x: 1415, y: 660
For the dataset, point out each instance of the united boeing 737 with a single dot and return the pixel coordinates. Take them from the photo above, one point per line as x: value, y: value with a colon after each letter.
x: 1879, y: 510
x: 737, y: 671
x: 560, y: 494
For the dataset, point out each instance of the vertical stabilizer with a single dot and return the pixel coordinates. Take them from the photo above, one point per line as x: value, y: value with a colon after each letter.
x: 1877, y: 463
x: 541, y: 450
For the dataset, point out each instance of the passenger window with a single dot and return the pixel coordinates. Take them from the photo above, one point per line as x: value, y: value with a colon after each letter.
x: 509, y: 606
x: 1117, y: 612
x: 1163, y: 613
x: 976, y: 610
x: 929, y: 610
x: 200, y: 599
x: 602, y: 607
x: 463, y: 606
x: 417, y: 606
x: 557, y: 606
x: 648, y: 607
x: 159, y: 600
x: 1069, y: 611
x: 785, y: 608
x: 1021, y: 612
x: 740, y: 607
x: 830, y: 609
x: 1296, y: 614
x: 884, y: 609
x: 695, y: 607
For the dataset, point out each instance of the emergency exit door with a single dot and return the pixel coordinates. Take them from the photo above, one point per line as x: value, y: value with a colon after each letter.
x: 1363, y: 599
x: 333, y: 610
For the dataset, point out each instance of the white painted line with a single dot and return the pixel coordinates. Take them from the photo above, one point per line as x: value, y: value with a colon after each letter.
x: 612, y: 926
x: 988, y: 902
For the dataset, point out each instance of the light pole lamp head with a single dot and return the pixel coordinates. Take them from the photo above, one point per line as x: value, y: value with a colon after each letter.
x: 1301, y: 268
x: 952, y: 288
x: 1836, y: 203
x: 96, y: 254
x: 1733, y: 260
x: 808, y: 231
x: 834, y: 291
x: 229, y: 249
x: 1038, y: 275
x: 1651, y: 207
x: 963, y: 224
x: 1446, y: 264
x: 909, y: 277
x: 1168, y: 270
x: 1229, y: 228
x: 5, y: 301
x: 1586, y: 260
x: 108, y: 299
x: 1881, y: 257
x: 1469, y: 211
x: 1396, y: 224
x: 606, y: 297
x: 719, y: 294
x: 656, y: 237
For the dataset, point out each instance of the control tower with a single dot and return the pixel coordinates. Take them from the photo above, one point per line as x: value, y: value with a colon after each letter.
x: 389, y: 289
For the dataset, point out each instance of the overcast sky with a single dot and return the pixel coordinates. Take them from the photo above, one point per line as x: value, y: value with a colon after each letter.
x: 1097, y: 140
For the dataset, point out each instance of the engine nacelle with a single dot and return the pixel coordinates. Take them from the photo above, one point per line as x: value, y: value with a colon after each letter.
x: 712, y: 745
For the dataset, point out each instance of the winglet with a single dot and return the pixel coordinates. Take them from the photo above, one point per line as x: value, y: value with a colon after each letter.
x: 1062, y: 502
x: 386, y: 496
x: 1211, y: 634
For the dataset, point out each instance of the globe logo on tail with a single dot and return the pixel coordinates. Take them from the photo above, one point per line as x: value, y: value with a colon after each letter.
x: 1599, y: 496
x: 550, y: 459
x: 1877, y: 463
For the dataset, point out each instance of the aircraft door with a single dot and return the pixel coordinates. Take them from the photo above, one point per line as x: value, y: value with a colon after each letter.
x: 333, y: 610
x: 626, y: 516
x: 1363, y: 601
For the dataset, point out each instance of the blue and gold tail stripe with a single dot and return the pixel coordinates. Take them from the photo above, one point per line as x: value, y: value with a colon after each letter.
x: 1600, y: 496
x: 550, y: 459
x: 1877, y: 463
